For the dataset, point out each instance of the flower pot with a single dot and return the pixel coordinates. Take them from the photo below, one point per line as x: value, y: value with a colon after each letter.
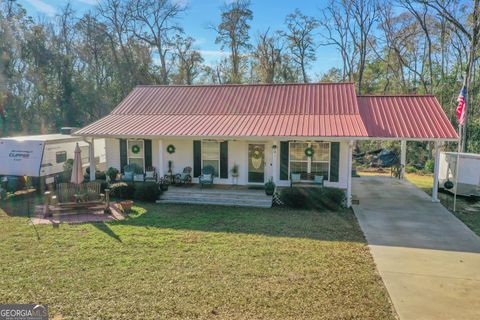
x: 126, y: 205
x: 269, y: 192
x: 164, y: 187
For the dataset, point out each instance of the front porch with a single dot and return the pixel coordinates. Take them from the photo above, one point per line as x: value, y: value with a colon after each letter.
x: 228, y: 195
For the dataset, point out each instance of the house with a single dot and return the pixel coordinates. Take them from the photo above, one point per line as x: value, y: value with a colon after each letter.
x: 265, y: 129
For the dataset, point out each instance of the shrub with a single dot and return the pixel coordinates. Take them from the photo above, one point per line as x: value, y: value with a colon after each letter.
x: 314, y: 198
x: 147, y: 191
x: 410, y: 169
x: 112, y: 173
x: 103, y: 185
x: 429, y: 166
x: 123, y: 190
x: 99, y: 175
x: 329, y: 198
x: 294, y: 198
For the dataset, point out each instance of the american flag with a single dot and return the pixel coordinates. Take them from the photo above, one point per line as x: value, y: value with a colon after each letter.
x: 461, y: 108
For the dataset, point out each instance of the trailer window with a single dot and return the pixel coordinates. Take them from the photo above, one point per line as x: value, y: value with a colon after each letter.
x: 61, y: 156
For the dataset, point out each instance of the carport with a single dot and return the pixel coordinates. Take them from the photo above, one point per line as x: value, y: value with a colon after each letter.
x: 404, y: 118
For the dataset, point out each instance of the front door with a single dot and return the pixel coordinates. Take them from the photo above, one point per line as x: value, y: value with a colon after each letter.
x: 256, y: 163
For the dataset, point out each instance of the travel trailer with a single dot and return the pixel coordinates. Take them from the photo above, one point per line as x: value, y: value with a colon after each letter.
x: 469, y: 172
x: 45, y: 155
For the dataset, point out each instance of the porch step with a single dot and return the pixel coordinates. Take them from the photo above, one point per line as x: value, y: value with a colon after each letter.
x: 217, y: 197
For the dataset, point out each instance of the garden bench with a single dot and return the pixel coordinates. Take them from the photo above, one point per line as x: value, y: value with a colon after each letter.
x: 306, y: 179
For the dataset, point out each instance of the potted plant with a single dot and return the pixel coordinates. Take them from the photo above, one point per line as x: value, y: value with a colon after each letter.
x: 234, y: 173
x: 234, y: 170
x: 163, y: 184
x: 112, y: 173
x: 270, y: 187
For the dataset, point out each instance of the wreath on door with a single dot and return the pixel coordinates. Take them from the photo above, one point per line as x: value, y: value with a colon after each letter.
x: 257, y: 153
x: 309, y: 152
x: 135, y: 149
x: 257, y: 157
x: 171, y: 148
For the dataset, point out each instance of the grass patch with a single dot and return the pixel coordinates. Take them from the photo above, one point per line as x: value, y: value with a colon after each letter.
x: 174, y: 261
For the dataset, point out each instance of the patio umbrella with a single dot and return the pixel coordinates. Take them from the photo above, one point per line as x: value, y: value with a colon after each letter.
x: 77, y: 172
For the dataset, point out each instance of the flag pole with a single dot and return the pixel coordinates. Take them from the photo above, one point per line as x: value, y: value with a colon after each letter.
x: 460, y: 129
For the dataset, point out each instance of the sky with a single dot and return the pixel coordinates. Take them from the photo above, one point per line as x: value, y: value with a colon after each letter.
x: 267, y: 14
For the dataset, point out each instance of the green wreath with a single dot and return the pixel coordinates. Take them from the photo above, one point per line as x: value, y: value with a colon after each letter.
x: 171, y: 148
x: 309, y: 152
x: 135, y: 149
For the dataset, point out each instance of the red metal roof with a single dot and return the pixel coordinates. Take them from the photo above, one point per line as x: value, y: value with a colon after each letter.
x: 300, y: 110
x: 279, y: 110
x: 413, y: 116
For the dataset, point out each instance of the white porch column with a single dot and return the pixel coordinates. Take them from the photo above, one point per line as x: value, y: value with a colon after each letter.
x: 275, y: 146
x: 436, y: 171
x: 403, y: 157
x: 160, y: 159
x: 91, y: 159
x: 349, y: 173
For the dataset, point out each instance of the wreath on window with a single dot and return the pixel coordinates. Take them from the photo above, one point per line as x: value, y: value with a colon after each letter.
x: 309, y: 152
x: 171, y: 148
x: 257, y: 153
x: 135, y: 149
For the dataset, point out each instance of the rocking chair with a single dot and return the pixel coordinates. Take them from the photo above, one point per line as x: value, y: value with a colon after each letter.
x: 185, y: 177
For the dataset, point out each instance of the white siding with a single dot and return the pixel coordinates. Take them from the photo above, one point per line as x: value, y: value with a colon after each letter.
x: 112, y: 148
x: 237, y: 154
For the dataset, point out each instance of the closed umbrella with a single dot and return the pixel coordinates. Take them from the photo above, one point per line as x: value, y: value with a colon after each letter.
x: 77, y: 172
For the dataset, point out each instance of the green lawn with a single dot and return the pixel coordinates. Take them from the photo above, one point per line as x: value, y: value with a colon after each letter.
x: 173, y: 261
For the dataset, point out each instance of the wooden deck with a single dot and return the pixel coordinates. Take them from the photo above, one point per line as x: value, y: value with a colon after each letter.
x: 226, y: 195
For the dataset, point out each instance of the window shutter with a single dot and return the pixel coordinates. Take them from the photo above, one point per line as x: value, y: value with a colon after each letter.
x: 334, y: 161
x: 284, y: 150
x: 123, y: 154
x: 197, y: 158
x: 224, y: 160
x: 148, y: 153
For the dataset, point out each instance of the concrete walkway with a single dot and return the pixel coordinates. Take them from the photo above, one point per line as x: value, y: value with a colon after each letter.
x: 428, y: 259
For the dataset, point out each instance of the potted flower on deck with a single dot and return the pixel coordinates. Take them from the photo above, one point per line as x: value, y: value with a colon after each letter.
x: 270, y: 187
x: 235, y: 173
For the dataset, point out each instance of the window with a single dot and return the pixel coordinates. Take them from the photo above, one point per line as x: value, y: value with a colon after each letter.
x: 211, y: 155
x: 318, y: 164
x: 61, y: 156
x: 135, y: 151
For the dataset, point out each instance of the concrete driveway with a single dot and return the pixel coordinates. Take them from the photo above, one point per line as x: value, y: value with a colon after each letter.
x: 428, y: 259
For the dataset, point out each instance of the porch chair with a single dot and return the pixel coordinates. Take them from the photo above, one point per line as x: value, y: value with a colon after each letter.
x: 132, y: 172
x: 207, y: 176
x: 318, y: 180
x: 151, y: 174
x: 295, y: 178
x: 185, y: 177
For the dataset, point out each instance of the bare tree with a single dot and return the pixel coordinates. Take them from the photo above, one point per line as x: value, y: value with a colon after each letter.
x: 154, y: 21
x: 267, y: 55
x: 335, y: 24
x: 364, y: 12
x: 188, y: 60
x: 469, y: 26
x: 232, y: 32
x: 300, y: 39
